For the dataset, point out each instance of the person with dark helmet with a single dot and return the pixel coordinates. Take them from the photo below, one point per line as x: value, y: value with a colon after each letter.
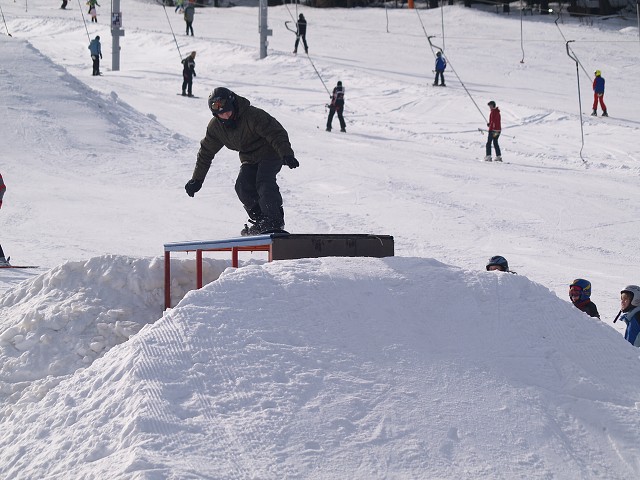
x: 263, y: 145
x: 580, y: 296
x: 301, y: 33
x: 441, y: 64
x: 498, y: 263
x: 337, y: 106
x: 630, y: 313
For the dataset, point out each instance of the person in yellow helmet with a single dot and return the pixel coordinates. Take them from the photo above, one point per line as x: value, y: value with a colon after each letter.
x: 598, y: 95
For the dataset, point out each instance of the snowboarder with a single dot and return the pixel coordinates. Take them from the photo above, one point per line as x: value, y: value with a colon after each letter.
x: 580, y: 296
x: 598, y: 95
x: 301, y: 33
x: 94, y: 14
x: 188, y: 72
x: 189, y: 12
x: 337, y: 106
x: 3, y: 261
x: 494, y: 132
x: 498, y: 263
x: 263, y: 145
x: 441, y: 64
x: 629, y: 313
x: 179, y: 6
x: 96, y: 54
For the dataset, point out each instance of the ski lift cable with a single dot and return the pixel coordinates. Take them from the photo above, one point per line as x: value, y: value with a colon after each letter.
x: 573, y: 56
x: 5, y: 22
x: 84, y: 20
x: 171, y: 28
x: 458, y: 77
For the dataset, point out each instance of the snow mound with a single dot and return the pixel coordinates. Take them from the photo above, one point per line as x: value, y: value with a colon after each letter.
x: 376, y: 363
x: 66, y: 318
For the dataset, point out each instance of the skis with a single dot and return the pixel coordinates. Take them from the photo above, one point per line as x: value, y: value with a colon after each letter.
x: 19, y: 266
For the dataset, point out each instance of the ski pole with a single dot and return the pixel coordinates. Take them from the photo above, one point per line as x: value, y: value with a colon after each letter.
x: 483, y: 131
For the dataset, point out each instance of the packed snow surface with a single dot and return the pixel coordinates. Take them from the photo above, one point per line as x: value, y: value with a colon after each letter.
x: 422, y: 365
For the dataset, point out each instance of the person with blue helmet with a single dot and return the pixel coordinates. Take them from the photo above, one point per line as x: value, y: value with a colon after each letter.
x: 630, y: 313
x: 580, y: 296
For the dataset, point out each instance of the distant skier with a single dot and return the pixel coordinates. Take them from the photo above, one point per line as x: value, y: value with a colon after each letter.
x: 96, y: 54
x: 337, y: 106
x: 179, y: 6
x: 3, y: 261
x: 189, y: 12
x: 494, y: 132
x: 264, y: 147
x: 441, y: 64
x: 598, y: 95
x: 188, y: 72
x: 92, y: 4
x: 580, y: 296
x: 64, y: 5
x: 301, y: 33
x: 630, y: 313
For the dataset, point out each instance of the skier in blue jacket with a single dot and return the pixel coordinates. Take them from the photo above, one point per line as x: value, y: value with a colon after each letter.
x: 630, y: 313
x: 96, y: 54
x: 441, y: 64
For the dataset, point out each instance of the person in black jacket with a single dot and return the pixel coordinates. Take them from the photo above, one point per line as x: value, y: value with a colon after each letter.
x: 3, y: 261
x: 580, y: 295
x: 188, y: 72
x: 302, y: 32
x: 337, y: 106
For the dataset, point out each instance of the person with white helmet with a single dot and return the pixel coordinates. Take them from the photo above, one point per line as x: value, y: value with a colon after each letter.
x: 630, y: 313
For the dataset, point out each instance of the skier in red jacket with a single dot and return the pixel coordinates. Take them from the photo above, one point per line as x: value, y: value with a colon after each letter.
x: 494, y: 132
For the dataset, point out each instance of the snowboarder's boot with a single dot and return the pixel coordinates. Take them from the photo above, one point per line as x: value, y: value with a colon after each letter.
x: 498, y: 158
x: 343, y: 130
x: 4, y: 262
x: 487, y: 158
x: 594, y: 113
x: 261, y: 226
x: 605, y: 114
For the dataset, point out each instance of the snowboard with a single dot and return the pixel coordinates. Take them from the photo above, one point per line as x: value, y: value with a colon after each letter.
x: 186, y: 96
x: 245, y: 232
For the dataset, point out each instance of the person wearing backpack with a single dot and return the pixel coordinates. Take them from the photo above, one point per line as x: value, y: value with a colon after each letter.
x: 188, y: 72
x: 337, y: 106
x: 580, y: 296
x: 441, y: 64
x: 630, y: 313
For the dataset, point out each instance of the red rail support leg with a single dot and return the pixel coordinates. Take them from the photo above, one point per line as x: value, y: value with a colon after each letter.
x: 167, y: 279
x: 234, y: 257
x: 199, y: 268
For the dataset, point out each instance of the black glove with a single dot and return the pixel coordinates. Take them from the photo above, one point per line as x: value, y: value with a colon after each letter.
x: 290, y: 161
x: 193, y: 186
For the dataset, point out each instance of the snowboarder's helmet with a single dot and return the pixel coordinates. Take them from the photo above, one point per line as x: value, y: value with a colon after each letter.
x: 498, y: 261
x: 598, y: 73
x: 439, y: 54
x: 582, y: 286
x: 492, y: 104
x: 339, y: 83
x: 97, y: 37
x: 634, y: 290
x: 221, y: 100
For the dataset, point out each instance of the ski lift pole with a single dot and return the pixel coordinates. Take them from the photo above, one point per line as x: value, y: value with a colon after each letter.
x: 457, y: 76
x: 572, y: 56
x: 318, y: 73
x: 5, y: 22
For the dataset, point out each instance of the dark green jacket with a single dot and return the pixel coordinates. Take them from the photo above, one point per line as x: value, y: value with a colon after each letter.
x: 257, y: 135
